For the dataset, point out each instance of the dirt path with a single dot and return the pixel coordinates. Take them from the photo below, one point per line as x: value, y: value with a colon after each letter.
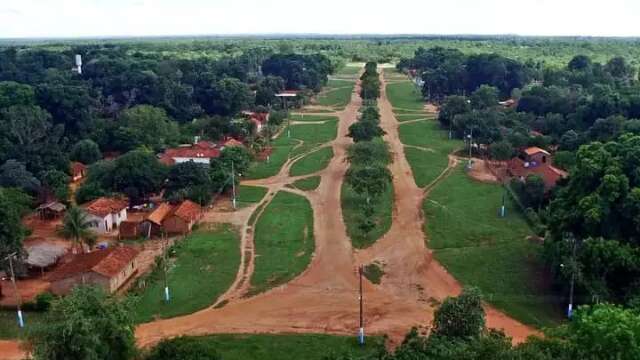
x: 324, y: 298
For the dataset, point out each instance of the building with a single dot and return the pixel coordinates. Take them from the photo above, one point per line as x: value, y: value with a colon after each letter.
x: 200, y: 152
x: 51, y: 210
x: 78, y: 171
x: 153, y: 224
x: 535, y: 161
x: 182, y: 218
x: 109, y: 268
x: 105, y: 214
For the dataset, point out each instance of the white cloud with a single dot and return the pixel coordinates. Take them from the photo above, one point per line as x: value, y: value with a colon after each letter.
x: 69, y: 18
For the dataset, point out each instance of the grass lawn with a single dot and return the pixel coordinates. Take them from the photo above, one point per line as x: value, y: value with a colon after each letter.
x: 283, y: 240
x: 313, y: 135
x: 426, y: 165
x: 307, y: 184
x: 484, y: 250
x: 289, y: 347
x: 312, y: 163
x: 203, y: 267
x: 352, y: 205
x: 249, y: 195
x: 281, y: 147
x: 404, y: 95
x: 337, y: 98
x: 349, y: 71
x: 297, y: 117
x: 428, y: 134
x: 9, y: 328
x: 408, y: 117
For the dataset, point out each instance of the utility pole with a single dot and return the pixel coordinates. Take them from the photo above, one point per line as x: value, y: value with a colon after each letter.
x: 470, y: 148
x: 233, y: 184
x: 165, y: 242
x: 573, y: 276
x: 15, y: 289
x: 503, y: 208
x: 361, y: 330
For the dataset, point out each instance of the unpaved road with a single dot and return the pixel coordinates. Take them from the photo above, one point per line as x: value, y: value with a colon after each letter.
x: 324, y: 298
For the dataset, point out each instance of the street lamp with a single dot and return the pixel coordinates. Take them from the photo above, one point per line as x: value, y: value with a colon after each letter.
x: 10, y: 257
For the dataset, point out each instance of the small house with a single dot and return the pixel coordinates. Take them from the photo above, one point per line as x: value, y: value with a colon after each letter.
x: 535, y: 161
x: 51, y: 210
x: 200, y: 152
x: 153, y: 224
x: 105, y: 214
x: 109, y: 269
x: 259, y: 119
x: 182, y: 218
x: 78, y: 171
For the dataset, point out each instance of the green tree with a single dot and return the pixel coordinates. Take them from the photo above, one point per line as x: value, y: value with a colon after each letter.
x: 13, y: 93
x: 240, y: 157
x: 452, y: 106
x: 189, y: 180
x: 15, y: 174
x: 149, y: 126
x: 228, y: 97
x: 86, y: 151
x: 75, y: 226
x: 370, y: 181
x: 11, y: 230
x: 365, y: 131
x: 137, y: 173
x: 56, y: 182
x: 368, y: 152
x: 183, y: 348
x: 86, y: 324
x: 484, y: 97
x: 501, y: 150
x: 460, y: 317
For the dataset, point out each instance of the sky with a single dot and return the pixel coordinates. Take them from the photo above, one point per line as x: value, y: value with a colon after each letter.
x: 105, y: 18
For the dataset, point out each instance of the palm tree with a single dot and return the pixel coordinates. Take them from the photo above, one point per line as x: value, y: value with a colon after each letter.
x: 75, y: 226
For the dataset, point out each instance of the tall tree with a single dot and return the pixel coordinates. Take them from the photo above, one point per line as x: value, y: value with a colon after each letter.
x: 87, y: 324
x: 75, y: 226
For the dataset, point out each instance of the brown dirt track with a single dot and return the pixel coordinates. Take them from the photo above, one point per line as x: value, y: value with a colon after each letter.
x: 324, y: 298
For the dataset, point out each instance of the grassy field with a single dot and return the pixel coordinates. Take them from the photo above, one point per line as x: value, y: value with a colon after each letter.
x: 349, y: 72
x: 337, y: 98
x: 249, y: 195
x: 296, y: 117
x: 409, y: 117
x: 313, y: 135
x: 9, y: 328
x: 430, y: 159
x: 425, y: 165
x: 281, y: 148
x: 404, y: 95
x: 283, y: 240
x: 312, y: 163
x: 289, y: 347
x: 352, y: 205
x: 307, y: 184
x: 484, y: 250
x: 308, y: 135
x: 203, y: 266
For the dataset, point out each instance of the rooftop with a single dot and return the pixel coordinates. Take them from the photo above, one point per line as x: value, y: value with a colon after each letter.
x: 108, y: 262
x: 104, y: 206
x: 187, y: 210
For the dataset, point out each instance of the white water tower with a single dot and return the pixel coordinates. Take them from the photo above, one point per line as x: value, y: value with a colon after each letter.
x: 78, y: 67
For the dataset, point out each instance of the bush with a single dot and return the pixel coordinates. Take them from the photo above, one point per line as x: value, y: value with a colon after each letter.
x: 183, y: 348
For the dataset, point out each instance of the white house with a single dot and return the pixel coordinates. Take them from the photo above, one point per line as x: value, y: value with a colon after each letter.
x: 201, y: 152
x: 106, y: 214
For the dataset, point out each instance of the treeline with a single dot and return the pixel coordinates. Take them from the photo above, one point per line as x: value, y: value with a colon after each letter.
x: 588, y: 115
x: 368, y: 175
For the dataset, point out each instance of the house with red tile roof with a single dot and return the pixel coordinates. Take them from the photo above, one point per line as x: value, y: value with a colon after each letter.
x: 110, y: 269
x: 535, y: 161
x: 200, y: 152
x: 106, y: 213
x: 182, y: 218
